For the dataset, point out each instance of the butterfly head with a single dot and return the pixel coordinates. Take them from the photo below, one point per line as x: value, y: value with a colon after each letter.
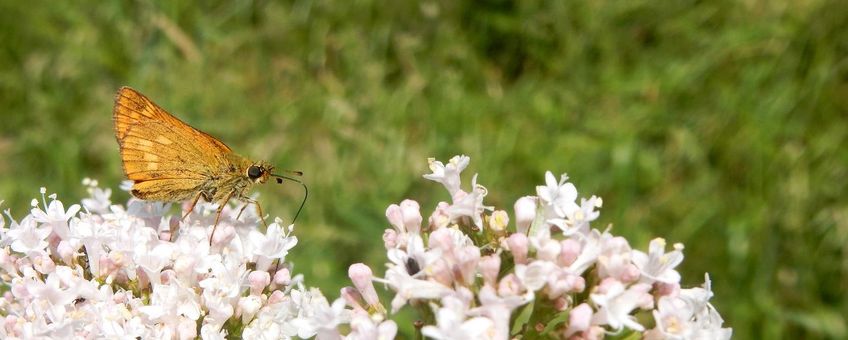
x: 259, y: 172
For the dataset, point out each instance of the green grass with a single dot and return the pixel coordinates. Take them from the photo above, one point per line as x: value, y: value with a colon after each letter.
x: 719, y: 124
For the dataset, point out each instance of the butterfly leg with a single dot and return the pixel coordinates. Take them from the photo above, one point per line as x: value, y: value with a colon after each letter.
x: 249, y: 201
x: 191, y: 208
x: 221, y: 205
x: 242, y: 210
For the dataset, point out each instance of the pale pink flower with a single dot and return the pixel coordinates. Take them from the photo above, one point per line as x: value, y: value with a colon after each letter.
x: 519, y: 246
x: 579, y: 319
x: 258, y: 280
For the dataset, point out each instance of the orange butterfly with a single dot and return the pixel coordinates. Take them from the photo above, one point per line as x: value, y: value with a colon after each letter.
x: 170, y: 161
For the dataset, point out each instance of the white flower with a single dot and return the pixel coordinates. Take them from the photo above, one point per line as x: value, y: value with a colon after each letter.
x: 578, y: 221
x: 614, y: 260
x: 274, y: 244
x: 169, y: 302
x: 688, y: 316
x: 589, y: 251
x: 498, y: 309
x: 470, y: 204
x: 448, y: 174
x: 657, y: 265
x: 616, y: 303
x: 535, y: 275
x: 365, y: 327
x: 56, y: 216
x: 28, y: 237
x: 98, y: 202
x: 558, y: 198
x: 317, y: 316
x: 451, y: 323
x: 408, y: 288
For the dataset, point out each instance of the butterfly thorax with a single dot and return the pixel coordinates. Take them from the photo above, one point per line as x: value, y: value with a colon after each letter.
x: 236, y: 180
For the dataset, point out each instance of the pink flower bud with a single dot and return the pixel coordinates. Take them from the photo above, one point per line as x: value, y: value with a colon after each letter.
x: 468, y: 257
x: 353, y: 298
x: 277, y: 296
x: 525, y: 213
x: 666, y: 289
x: 223, y: 235
x: 65, y: 252
x: 579, y: 319
x: 390, y: 238
x: 631, y: 273
x: 559, y: 284
x: 606, y: 284
x: 440, y: 217
x: 258, y: 280
x: 361, y: 276
x: 282, y: 277
x: 490, y: 266
x: 411, y: 212
x: 395, y: 216
x: 518, y: 244
x: 561, y: 304
x: 569, y: 251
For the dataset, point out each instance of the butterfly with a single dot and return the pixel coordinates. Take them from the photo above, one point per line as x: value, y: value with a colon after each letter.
x: 170, y: 161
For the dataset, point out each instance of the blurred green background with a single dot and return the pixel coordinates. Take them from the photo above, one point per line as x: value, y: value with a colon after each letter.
x: 719, y: 124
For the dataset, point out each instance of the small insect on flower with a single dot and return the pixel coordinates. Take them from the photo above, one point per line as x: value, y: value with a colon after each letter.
x: 170, y: 161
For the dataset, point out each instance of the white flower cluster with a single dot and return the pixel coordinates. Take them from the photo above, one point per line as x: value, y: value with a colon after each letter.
x: 107, y: 271
x: 471, y: 275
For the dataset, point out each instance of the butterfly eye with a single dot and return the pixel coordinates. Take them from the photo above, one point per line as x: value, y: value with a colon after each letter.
x: 254, y: 172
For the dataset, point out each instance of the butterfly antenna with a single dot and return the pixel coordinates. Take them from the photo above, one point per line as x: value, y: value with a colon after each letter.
x: 305, y: 189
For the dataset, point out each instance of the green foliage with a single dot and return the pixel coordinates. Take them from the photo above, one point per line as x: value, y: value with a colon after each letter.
x: 718, y: 124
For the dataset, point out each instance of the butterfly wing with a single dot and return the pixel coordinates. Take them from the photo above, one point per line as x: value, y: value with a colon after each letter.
x: 168, y: 159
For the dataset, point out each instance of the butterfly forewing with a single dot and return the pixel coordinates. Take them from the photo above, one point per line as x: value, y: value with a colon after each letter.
x: 168, y: 159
